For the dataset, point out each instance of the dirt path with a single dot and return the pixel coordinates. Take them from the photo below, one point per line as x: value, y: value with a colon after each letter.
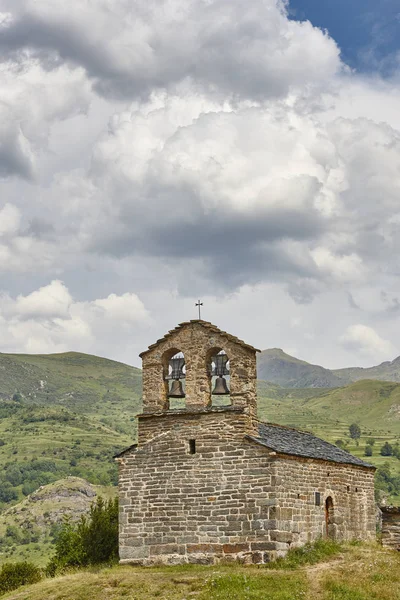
x: 316, y: 572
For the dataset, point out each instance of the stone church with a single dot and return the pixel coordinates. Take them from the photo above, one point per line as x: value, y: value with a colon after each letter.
x: 207, y: 481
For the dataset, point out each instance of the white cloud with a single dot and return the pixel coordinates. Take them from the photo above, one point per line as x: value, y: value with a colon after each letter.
x: 50, y: 320
x: 248, y: 161
x: 51, y: 301
x: 31, y: 99
x: 345, y: 268
x: 241, y: 194
x: 129, y: 48
x: 10, y: 218
x: 366, y: 341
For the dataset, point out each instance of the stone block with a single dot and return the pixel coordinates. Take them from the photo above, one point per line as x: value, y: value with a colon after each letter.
x: 235, y: 548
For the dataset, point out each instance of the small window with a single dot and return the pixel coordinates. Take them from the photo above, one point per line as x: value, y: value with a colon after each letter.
x: 317, y: 499
x: 348, y: 488
x: 356, y: 489
x: 298, y: 496
x: 192, y: 446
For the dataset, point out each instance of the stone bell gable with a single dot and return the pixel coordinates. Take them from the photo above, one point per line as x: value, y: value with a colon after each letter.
x: 199, y: 341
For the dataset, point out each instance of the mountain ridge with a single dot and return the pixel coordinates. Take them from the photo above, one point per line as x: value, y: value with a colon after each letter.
x: 278, y: 367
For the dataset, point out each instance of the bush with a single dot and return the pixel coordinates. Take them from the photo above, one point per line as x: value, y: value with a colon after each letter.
x: 309, y: 554
x: 7, y: 493
x: 368, y: 450
x: 93, y: 540
x: 355, y: 431
x: 385, y: 482
x: 387, y: 449
x: 13, y: 575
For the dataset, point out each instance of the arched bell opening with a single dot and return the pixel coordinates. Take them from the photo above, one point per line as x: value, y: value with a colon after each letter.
x: 174, y: 369
x: 329, y: 518
x: 218, y: 368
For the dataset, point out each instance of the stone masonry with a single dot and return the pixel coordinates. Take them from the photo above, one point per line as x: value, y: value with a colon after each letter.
x: 391, y: 527
x: 207, y: 483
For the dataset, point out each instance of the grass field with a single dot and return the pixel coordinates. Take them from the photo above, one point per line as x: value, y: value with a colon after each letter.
x: 353, y: 572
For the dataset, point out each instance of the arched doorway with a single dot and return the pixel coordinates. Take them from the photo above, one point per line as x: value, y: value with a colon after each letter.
x: 329, y: 518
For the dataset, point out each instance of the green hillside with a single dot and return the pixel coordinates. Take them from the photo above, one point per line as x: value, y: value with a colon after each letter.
x: 67, y: 414
x: 28, y: 529
x: 60, y: 415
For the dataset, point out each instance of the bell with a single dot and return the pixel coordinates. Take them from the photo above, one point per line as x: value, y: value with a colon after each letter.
x: 221, y: 388
x: 176, y: 390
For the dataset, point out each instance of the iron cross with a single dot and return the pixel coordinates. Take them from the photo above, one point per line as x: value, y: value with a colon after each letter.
x: 199, y: 304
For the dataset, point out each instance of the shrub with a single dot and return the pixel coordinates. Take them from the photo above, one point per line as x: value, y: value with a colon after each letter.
x: 385, y: 482
x: 355, y: 431
x: 368, y: 450
x: 13, y: 575
x: 7, y: 493
x: 387, y: 449
x: 309, y: 554
x: 93, y: 540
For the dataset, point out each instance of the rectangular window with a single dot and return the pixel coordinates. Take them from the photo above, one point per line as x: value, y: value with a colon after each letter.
x: 317, y: 499
x: 192, y: 446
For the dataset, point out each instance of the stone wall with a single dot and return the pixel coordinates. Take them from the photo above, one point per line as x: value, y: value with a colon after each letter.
x: 391, y: 527
x: 182, y: 507
x: 198, y: 343
x: 232, y: 499
x: 321, y: 499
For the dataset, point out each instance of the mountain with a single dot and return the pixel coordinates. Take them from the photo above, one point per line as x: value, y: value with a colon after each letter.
x: 386, y: 371
x: 276, y: 366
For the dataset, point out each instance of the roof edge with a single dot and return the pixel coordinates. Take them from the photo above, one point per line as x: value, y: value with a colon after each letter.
x: 207, y: 325
x: 364, y: 465
x: 124, y: 451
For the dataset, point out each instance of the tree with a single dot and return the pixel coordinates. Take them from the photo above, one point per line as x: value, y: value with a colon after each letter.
x: 7, y: 493
x: 93, y: 540
x: 368, y: 450
x: 387, y: 449
x: 370, y: 441
x: 355, y: 431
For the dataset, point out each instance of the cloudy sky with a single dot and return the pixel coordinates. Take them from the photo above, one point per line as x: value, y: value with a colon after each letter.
x: 153, y: 152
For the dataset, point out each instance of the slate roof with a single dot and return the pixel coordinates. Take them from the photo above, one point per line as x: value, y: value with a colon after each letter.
x: 285, y: 440
x: 212, y: 328
x: 125, y: 450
